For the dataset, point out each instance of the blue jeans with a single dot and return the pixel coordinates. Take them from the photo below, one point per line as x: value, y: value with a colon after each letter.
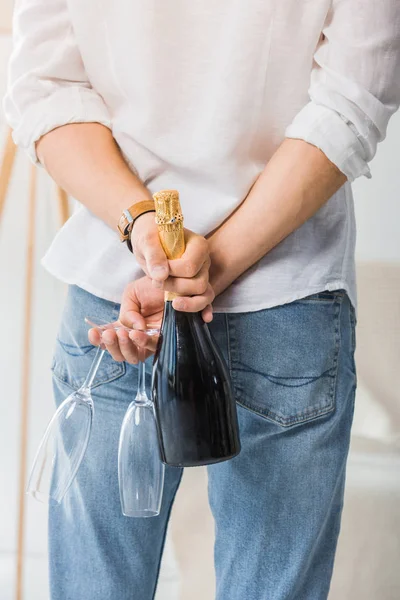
x: 277, y: 506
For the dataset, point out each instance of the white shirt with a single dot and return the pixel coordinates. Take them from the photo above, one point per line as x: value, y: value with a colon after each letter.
x: 198, y: 96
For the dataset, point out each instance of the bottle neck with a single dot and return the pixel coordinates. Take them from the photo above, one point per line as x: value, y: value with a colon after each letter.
x: 170, y: 296
x: 168, y: 308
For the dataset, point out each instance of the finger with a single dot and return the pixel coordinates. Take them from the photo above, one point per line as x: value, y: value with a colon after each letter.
x: 189, y: 287
x: 147, y: 353
x: 94, y: 336
x: 207, y: 314
x: 151, y: 345
x: 147, y: 246
x: 192, y: 260
x: 154, y: 255
x: 131, y: 319
x: 127, y: 347
x: 194, y: 303
x: 145, y: 343
x: 159, y: 285
x: 110, y: 340
x: 129, y: 314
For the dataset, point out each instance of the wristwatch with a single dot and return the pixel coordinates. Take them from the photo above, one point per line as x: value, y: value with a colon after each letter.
x: 129, y: 216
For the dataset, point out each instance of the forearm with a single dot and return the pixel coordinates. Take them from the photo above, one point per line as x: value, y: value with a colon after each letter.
x: 297, y: 181
x: 85, y: 160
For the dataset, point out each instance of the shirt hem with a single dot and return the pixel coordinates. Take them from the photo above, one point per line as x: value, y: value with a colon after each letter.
x: 330, y: 286
x: 83, y: 285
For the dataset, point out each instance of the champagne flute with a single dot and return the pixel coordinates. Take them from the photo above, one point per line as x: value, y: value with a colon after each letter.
x: 64, y: 443
x: 140, y: 470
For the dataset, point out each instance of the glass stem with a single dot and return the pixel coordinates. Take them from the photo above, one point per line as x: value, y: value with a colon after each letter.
x: 141, y: 391
x: 93, y: 369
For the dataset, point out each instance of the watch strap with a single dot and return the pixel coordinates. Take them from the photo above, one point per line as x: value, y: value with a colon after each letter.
x: 130, y: 215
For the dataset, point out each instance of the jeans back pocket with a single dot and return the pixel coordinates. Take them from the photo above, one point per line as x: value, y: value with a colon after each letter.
x: 73, y: 354
x: 284, y: 359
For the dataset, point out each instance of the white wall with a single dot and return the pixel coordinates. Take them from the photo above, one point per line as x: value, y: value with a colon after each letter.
x: 5, y: 14
x: 47, y: 301
x: 378, y: 202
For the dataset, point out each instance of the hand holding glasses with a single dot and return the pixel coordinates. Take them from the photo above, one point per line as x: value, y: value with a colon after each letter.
x: 140, y: 470
x: 63, y: 447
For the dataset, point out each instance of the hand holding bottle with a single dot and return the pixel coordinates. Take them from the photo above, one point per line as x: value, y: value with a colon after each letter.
x: 187, y: 276
x: 143, y: 299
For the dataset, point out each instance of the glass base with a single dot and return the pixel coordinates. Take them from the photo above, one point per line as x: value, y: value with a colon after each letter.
x: 43, y: 498
x: 142, y: 514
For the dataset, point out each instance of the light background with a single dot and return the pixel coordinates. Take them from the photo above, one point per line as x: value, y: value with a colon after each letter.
x: 369, y: 548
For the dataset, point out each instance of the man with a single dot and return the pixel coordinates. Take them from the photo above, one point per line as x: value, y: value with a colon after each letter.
x: 260, y: 114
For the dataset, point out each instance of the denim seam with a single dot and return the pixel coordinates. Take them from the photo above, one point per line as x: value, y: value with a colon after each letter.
x: 339, y: 305
x: 313, y: 413
x: 228, y: 343
x: 353, y: 322
x: 310, y: 416
x: 231, y: 332
x: 165, y: 534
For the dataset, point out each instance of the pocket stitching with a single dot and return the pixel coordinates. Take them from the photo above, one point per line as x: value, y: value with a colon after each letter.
x: 278, y: 379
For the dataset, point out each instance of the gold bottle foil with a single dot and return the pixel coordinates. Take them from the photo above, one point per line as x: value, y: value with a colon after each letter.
x: 169, y: 220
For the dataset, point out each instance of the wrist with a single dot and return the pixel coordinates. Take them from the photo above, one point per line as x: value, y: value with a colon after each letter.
x: 144, y: 230
x: 143, y: 224
x: 220, y: 272
x: 130, y: 216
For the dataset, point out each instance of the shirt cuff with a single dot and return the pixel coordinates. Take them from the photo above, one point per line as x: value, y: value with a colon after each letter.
x: 330, y: 132
x: 66, y: 105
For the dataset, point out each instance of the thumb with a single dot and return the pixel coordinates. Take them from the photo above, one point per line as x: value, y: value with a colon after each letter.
x: 156, y: 260
x: 129, y: 314
x: 132, y: 319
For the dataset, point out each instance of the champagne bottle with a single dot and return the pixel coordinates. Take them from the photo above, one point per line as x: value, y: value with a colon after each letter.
x: 195, y: 408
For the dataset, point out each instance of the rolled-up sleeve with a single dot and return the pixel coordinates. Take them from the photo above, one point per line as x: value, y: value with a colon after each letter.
x: 47, y: 83
x: 355, y: 84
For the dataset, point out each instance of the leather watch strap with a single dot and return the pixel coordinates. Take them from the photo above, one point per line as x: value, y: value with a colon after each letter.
x: 129, y: 217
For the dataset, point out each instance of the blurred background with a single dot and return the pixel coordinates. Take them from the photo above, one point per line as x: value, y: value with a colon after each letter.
x: 369, y: 547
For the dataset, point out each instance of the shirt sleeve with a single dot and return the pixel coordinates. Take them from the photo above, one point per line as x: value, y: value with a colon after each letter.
x: 355, y: 84
x: 47, y: 83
